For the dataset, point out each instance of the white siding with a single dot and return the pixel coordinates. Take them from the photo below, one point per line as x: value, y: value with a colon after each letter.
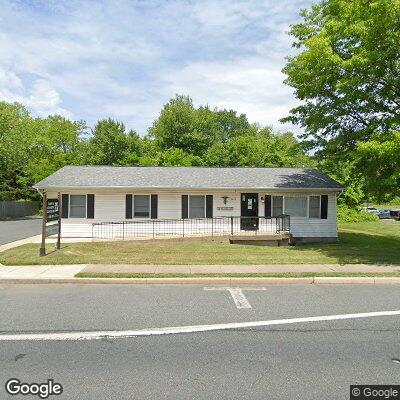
x: 169, y: 206
x: 314, y: 227
x: 110, y: 207
x: 76, y: 229
x: 233, y: 200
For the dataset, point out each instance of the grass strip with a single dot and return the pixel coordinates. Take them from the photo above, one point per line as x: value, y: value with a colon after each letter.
x: 125, y: 275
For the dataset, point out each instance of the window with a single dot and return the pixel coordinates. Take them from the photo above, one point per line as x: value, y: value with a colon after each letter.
x: 77, y: 206
x: 314, y: 207
x: 196, y: 206
x: 277, y: 206
x: 141, y: 206
x: 296, y: 206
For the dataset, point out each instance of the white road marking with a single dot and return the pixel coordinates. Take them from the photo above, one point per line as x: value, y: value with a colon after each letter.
x: 237, y: 295
x: 96, y: 335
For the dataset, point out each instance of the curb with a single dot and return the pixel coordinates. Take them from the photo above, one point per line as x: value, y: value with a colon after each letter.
x: 211, y: 281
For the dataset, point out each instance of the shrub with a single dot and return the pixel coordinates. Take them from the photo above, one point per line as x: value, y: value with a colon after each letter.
x: 347, y: 214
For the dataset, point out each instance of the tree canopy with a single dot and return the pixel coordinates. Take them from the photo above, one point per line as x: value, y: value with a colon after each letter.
x: 33, y: 148
x: 347, y: 72
x: 347, y: 76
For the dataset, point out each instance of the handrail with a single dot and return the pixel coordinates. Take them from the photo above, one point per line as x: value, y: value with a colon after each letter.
x: 153, y: 228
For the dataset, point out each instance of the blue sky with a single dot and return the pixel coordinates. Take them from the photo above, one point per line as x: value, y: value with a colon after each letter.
x: 125, y: 59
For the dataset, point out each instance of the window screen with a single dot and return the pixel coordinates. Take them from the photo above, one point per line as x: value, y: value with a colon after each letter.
x: 142, y: 206
x: 77, y: 206
x: 277, y: 205
x: 296, y: 206
x: 197, y: 207
x: 314, y: 207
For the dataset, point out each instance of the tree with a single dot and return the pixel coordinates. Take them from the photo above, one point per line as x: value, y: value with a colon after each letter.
x: 229, y: 125
x: 57, y: 141
x: 379, y: 165
x: 266, y: 149
x: 347, y: 73
x: 109, y: 144
x: 174, y: 126
x: 16, y: 137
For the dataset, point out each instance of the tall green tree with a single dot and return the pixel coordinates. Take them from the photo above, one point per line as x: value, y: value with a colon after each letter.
x: 347, y: 73
x: 182, y: 126
x: 109, y: 144
x: 57, y: 141
x: 16, y: 138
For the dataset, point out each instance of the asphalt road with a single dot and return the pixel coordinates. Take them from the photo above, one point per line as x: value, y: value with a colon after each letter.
x: 19, y: 229
x: 310, y: 360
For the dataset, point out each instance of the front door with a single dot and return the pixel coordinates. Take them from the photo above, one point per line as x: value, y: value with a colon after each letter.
x: 249, y: 208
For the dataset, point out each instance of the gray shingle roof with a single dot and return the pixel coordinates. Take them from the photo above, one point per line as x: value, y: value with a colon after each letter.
x: 187, y: 178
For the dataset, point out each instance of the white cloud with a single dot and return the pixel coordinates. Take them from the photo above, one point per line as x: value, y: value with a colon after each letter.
x: 91, y: 60
x: 42, y: 98
x: 252, y: 87
x: 45, y: 100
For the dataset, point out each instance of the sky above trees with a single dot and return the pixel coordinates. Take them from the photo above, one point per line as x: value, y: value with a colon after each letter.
x: 125, y: 59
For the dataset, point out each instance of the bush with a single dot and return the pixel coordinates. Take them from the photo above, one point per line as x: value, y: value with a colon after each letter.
x: 347, y: 214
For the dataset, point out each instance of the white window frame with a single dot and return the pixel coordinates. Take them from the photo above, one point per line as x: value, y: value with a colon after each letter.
x: 204, y: 203
x: 308, y: 208
x: 69, y: 206
x: 133, y: 205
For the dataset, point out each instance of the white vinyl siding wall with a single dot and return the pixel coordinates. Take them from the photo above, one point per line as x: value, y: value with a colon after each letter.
x: 169, y: 206
x: 315, y: 227
x: 111, y: 208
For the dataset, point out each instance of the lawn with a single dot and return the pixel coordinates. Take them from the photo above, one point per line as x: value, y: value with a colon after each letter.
x: 369, y: 242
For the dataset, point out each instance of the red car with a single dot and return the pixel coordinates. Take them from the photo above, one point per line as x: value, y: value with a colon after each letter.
x: 395, y: 215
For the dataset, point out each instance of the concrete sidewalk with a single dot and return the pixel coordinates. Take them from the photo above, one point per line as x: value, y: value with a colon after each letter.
x: 37, y: 239
x: 53, y: 273
x: 40, y: 271
x: 223, y: 269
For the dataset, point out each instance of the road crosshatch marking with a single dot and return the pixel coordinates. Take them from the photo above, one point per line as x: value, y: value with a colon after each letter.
x: 237, y: 294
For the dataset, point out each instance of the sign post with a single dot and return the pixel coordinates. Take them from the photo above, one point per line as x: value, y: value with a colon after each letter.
x: 51, y: 213
x: 42, y: 250
x: 59, y: 222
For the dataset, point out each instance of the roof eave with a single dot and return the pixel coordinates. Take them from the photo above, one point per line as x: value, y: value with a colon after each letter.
x: 338, y: 189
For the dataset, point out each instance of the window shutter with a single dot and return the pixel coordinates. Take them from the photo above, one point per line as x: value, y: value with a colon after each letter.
x: 209, y: 206
x: 185, y: 206
x: 128, y: 206
x: 90, y: 206
x: 154, y: 206
x: 64, y: 205
x: 324, y: 206
x: 268, y: 205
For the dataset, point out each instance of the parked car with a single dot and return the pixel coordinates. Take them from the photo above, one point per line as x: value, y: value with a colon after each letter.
x: 395, y: 214
x: 384, y: 214
x: 370, y: 209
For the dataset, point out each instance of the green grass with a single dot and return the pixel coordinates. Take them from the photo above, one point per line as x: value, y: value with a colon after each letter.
x: 237, y: 275
x: 375, y: 242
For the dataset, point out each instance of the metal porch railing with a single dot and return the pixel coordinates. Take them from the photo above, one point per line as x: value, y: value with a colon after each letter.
x: 156, y: 228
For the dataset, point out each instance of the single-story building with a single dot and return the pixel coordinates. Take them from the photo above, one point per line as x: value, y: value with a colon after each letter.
x: 95, y: 197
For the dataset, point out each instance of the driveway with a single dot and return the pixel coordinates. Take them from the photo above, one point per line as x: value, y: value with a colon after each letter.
x: 19, y: 229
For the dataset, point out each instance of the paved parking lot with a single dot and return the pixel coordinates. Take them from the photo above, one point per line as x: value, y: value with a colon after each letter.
x: 19, y: 229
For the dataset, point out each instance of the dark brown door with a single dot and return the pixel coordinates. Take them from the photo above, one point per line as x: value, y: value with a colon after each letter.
x: 249, y: 208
